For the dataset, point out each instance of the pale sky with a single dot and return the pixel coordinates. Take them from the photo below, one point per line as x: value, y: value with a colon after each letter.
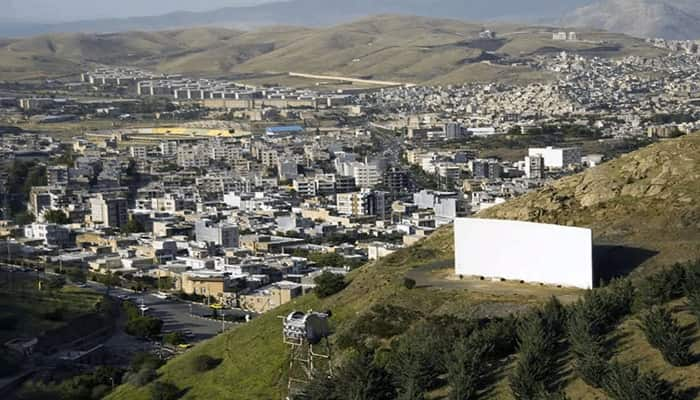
x: 72, y: 10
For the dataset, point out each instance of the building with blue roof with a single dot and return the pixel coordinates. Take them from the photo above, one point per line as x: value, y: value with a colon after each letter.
x: 286, y: 130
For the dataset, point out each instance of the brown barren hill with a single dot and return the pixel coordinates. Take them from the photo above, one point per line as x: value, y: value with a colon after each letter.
x: 645, y: 201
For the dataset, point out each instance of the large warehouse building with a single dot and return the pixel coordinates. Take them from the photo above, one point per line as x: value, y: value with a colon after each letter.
x: 524, y: 251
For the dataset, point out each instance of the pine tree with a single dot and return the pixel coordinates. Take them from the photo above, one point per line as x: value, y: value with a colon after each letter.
x: 694, y: 303
x: 664, y: 334
x: 628, y: 383
x: 586, y: 335
x: 554, y: 315
x: 415, y: 364
x: 535, y: 369
x: 465, y: 365
x: 360, y: 378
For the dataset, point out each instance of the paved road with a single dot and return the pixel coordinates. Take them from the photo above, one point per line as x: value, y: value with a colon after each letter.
x: 350, y: 79
x: 177, y: 315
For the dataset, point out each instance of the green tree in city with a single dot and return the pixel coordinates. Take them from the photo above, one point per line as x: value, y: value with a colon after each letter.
x: 56, y: 217
x: 144, y: 326
x: 133, y: 226
x: 333, y: 260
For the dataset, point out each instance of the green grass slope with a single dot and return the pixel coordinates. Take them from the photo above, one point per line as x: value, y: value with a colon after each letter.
x: 254, y: 357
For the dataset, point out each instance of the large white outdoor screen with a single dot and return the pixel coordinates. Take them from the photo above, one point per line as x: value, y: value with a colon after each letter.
x: 526, y: 251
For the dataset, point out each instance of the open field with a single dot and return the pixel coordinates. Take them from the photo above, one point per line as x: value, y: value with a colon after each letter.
x: 32, y: 311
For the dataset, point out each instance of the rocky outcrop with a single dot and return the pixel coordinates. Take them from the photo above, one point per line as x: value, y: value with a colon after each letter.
x: 649, y: 199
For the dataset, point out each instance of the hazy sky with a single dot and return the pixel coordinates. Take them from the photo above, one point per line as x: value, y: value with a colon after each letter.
x: 70, y: 10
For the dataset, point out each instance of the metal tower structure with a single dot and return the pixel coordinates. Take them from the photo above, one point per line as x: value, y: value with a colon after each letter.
x: 306, y: 334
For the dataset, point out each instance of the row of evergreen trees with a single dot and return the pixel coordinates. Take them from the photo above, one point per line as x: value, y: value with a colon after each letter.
x: 662, y: 331
x: 539, y: 342
x: 436, y: 352
x: 463, y: 354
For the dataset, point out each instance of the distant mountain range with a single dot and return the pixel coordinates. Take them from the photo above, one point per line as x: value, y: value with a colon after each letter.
x: 670, y: 19
x: 673, y: 19
x: 315, y: 13
x: 386, y: 47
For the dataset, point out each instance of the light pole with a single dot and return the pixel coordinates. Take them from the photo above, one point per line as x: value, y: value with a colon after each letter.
x: 223, y: 320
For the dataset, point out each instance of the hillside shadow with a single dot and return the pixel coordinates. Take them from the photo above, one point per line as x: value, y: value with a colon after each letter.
x: 611, y: 261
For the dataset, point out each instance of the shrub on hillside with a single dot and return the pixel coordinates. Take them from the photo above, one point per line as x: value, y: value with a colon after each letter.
x: 34, y: 390
x: 360, y: 378
x: 144, y: 327
x: 413, y: 363
x: 164, y: 391
x: 664, y: 334
x: 502, y: 334
x: 694, y: 303
x: 145, y: 360
x: 141, y: 377
x: 57, y: 314
x: 328, y: 284
x: 628, y: 383
x: 589, y: 321
x: 409, y: 283
x: 382, y: 321
x: 174, y: 338
x: 203, y: 363
x: 661, y: 287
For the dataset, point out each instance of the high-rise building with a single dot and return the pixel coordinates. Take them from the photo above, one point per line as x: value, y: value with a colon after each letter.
x: 220, y: 234
x: 365, y: 202
x: 287, y: 168
x: 534, y: 167
x: 558, y: 157
x: 454, y: 130
x: 193, y: 156
x: 367, y: 175
x: 57, y: 175
x: 495, y: 171
x: 138, y: 152
x: 109, y: 211
x: 486, y: 169
x: 168, y: 148
x: 352, y: 203
x: 397, y: 180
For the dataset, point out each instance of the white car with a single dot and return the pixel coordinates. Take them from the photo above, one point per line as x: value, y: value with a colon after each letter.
x: 161, y: 295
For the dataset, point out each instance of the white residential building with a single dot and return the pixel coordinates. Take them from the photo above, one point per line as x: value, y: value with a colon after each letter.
x: 557, y: 157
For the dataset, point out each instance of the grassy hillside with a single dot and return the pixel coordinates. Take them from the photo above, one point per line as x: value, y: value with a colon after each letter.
x: 653, y: 192
x: 410, y: 49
